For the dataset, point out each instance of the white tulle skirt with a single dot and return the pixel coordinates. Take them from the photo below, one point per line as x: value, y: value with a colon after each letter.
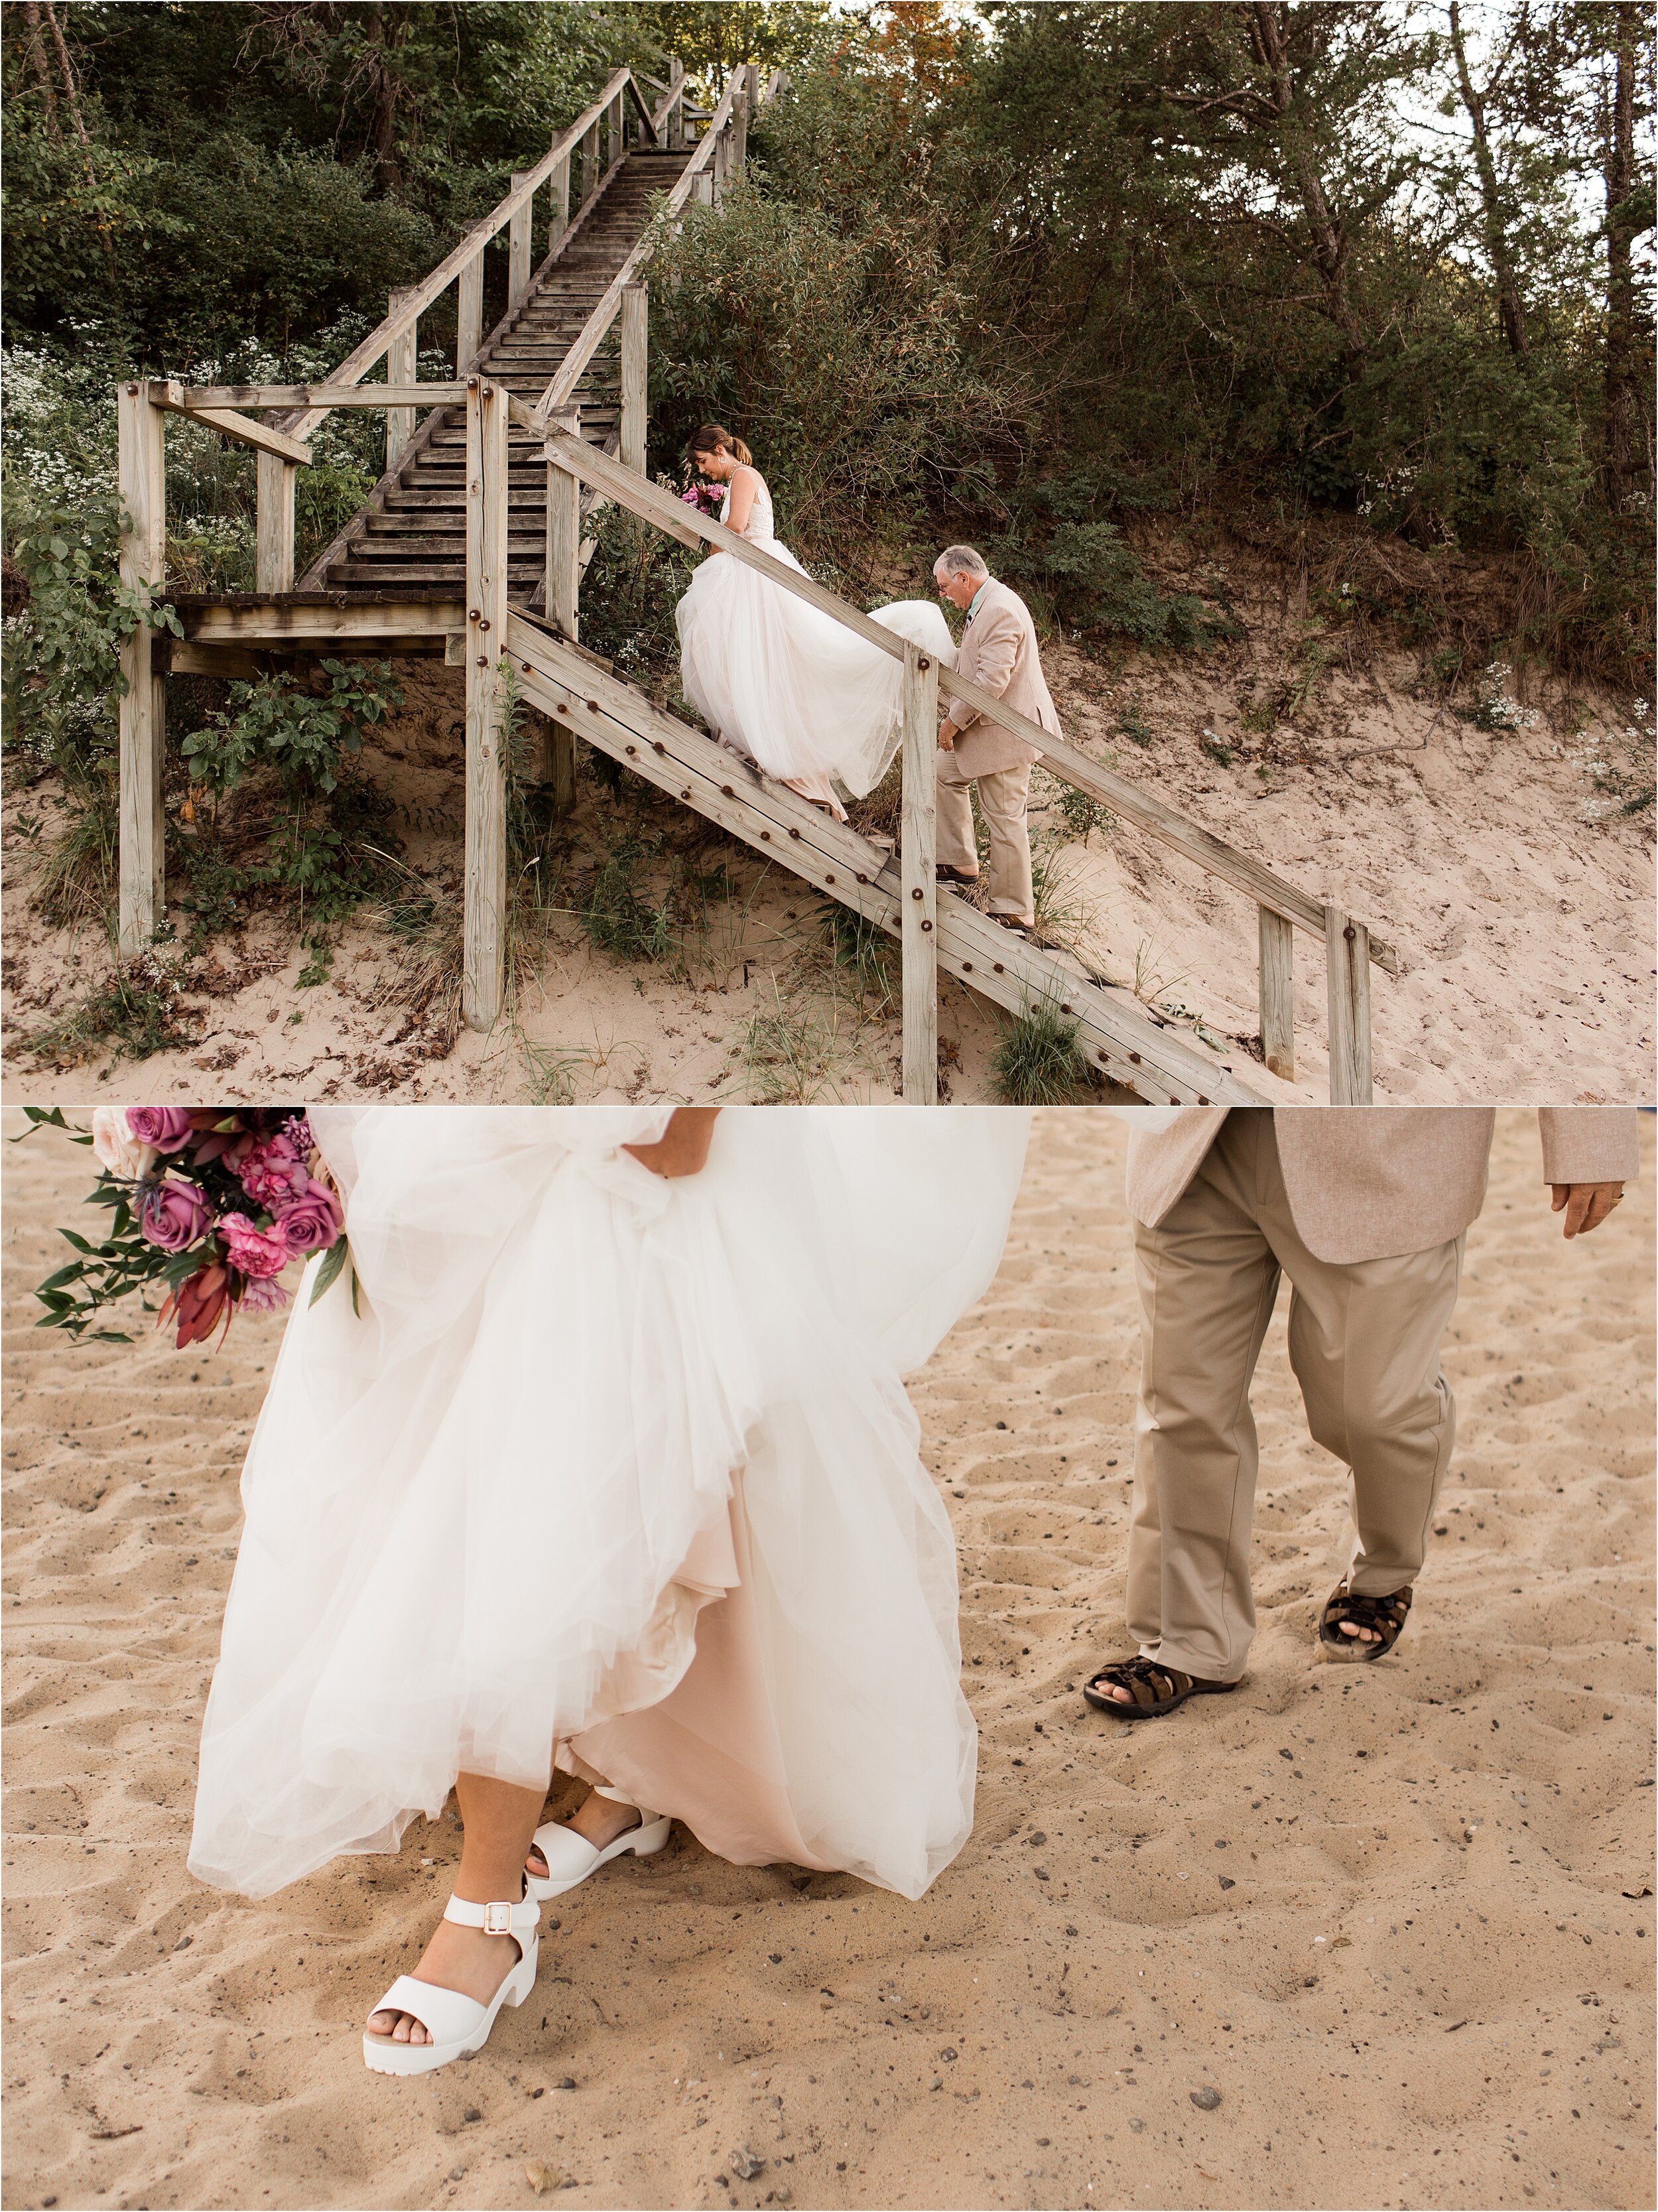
x: 615, y: 1470
x: 803, y: 697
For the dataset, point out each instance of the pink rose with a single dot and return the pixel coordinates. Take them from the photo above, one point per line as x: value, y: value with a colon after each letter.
x: 310, y: 1220
x: 273, y: 1172
x: 168, y: 1128
x: 262, y: 1296
x: 174, y: 1215
x: 255, y: 1253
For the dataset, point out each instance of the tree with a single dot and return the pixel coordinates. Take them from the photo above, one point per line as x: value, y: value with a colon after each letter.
x: 1511, y: 311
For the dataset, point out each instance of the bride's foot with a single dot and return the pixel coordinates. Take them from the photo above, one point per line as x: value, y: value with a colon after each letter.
x: 598, y: 1821
x: 461, y: 1959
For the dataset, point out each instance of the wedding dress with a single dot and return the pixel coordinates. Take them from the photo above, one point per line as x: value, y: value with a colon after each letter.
x: 617, y: 1468
x: 808, y: 701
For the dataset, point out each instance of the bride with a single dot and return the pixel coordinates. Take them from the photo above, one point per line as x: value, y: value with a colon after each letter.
x: 603, y: 1464
x: 808, y: 701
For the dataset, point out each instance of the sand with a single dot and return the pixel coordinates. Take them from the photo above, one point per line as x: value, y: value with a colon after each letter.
x: 1526, y: 931
x: 1400, y: 1918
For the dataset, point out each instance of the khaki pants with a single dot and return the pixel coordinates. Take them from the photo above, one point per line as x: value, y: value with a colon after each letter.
x: 1003, y: 796
x: 1364, y: 1345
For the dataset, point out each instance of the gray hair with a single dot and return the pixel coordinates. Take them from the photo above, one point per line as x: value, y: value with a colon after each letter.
x: 961, y: 561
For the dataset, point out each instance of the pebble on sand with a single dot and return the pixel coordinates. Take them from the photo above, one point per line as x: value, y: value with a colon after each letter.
x: 1205, y: 2099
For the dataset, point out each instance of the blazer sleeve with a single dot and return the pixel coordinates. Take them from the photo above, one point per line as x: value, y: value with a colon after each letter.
x: 1590, y: 1144
x: 995, y: 649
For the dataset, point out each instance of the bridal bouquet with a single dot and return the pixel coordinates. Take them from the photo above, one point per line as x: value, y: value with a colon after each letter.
x: 706, y: 498
x: 211, y: 1202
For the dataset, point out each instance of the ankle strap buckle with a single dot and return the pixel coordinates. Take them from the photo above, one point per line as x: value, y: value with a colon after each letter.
x: 497, y: 1919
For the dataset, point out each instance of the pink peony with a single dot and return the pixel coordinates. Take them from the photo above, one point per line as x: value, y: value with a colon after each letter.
x: 255, y: 1253
x: 168, y: 1128
x: 262, y: 1296
x: 174, y: 1215
x: 273, y: 1172
x: 309, y: 1220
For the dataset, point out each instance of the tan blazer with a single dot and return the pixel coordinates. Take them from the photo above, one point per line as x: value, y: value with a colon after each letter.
x: 1371, y: 1183
x: 999, y: 650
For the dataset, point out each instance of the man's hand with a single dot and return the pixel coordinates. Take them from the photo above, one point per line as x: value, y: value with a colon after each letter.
x: 1586, y: 1205
x: 948, y: 734
x: 684, y: 1149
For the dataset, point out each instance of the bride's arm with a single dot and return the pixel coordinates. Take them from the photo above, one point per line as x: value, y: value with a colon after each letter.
x: 683, y: 1150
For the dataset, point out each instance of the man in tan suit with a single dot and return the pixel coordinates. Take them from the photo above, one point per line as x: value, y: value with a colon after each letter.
x: 1366, y: 1209
x: 999, y: 650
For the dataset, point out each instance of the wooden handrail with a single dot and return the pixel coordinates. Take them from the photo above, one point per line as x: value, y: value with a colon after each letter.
x: 199, y: 398
x: 421, y: 296
x: 592, y: 336
x: 1150, y: 813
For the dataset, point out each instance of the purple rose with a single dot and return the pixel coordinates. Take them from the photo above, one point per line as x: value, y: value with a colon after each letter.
x: 262, y: 1296
x: 174, y: 1215
x: 168, y: 1128
x: 311, y: 1219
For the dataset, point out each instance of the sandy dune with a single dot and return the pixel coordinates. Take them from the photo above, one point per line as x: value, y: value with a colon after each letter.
x: 1400, y: 1919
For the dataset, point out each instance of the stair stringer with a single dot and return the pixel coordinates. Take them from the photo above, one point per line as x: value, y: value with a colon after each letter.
x: 1118, y: 1035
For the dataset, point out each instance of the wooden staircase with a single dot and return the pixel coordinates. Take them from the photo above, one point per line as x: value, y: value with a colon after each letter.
x: 412, y: 536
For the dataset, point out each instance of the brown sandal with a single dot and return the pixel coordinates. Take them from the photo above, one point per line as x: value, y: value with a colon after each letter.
x: 1155, y: 1689
x: 1385, y: 1616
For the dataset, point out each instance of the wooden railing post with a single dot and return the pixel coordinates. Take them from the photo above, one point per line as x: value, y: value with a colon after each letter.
x: 142, y: 484
x: 590, y: 161
x: 468, y: 313
x: 741, y: 112
x: 518, y: 246
x: 273, y: 540
x: 563, y: 590
x: 402, y: 366
x: 636, y: 310
x: 483, y: 956
x: 1277, y: 993
x: 675, y: 123
x: 919, y: 935
x: 558, y: 219
x: 1347, y: 960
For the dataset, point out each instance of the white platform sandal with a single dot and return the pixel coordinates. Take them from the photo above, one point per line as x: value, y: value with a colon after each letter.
x: 571, y: 1858
x: 457, y: 2025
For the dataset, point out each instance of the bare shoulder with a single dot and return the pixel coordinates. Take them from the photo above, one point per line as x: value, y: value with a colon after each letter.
x: 745, y: 473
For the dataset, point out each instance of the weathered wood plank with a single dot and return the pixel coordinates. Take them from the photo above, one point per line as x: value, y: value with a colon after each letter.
x: 1347, y: 973
x: 518, y: 245
x: 403, y: 370
x: 559, y: 219
x: 636, y: 310
x: 273, y: 537
x: 141, y: 478
x: 484, y: 925
x: 203, y: 398
x: 344, y: 621
x: 1277, y: 993
x: 919, y: 936
x: 469, y: 316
